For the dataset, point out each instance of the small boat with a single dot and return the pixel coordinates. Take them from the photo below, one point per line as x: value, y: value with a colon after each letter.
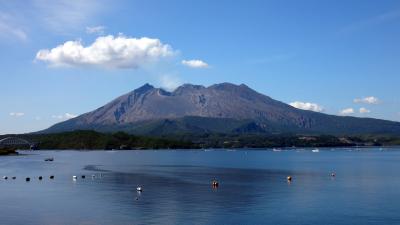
x: 315, y: 150
x: 5, y: 177
x: 215, y: 183
x: 276, y: 150
x: 49, y: 159
x: 74, y: 177
x: 139, y: 189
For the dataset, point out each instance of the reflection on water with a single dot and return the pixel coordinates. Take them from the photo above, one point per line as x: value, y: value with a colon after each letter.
x: 177, y: 187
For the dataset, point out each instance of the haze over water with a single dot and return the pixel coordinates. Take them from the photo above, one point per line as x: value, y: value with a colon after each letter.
x: 177, y: 187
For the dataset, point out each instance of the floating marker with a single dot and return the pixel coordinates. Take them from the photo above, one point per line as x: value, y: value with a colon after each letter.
x: 74, y: 177
x: 40, y: 177
x: 83, y: 176
x: 14, y: 178
x: 5, y: 177
x: 27, y: 179
x: 139, y: 189
x: 51, y: 177
x: 215, y: 184
x: 289, y: 178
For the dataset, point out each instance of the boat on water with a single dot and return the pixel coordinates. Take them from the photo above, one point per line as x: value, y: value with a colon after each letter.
x: 315, y: 150
x: 49, y: 159
x: 139, y: 189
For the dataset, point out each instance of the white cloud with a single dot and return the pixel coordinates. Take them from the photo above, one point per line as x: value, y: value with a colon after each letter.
x: 195, y: 63
x: 95, y: 30
x: 170, y: 82
x: 107, y: 51
x: 16, y: 114
x: 307, y: 106
x: 347, y: 111
x: 66, y: 116
x: 364, y: 110
x: 367, y: 100
x: 70, y: 115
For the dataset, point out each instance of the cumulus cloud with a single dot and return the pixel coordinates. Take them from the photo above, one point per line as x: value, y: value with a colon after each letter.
x: 107, y: 51
x: 364, y: 110
x: 195, y: 63
x: 95, y: 30
x: 307, y: 106
x: 65, y: 116
x: 367, y: 100
x: 347, y: 111
x: 16, y: 114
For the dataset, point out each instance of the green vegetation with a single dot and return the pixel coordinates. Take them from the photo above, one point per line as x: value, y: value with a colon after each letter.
x: 83, y: 139
x: 8, y: 152
x: 86, y: 139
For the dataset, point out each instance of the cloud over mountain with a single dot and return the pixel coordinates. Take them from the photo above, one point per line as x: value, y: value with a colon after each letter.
x: 364, y: 110
x: 307, y: 106
x: 367, y: 100
x: 347, y: 111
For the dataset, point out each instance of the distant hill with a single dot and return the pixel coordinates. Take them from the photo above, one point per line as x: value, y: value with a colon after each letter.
x: 220, y: 108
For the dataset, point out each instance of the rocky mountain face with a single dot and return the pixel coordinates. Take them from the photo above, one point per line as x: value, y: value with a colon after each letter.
x: 221, y: 108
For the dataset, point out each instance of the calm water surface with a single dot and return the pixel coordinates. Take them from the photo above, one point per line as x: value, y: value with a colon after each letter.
x: 253, y: 187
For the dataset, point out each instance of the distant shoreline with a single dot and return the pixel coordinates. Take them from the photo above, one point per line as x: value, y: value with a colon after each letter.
x: 92, y: 140
x: 218, y: 149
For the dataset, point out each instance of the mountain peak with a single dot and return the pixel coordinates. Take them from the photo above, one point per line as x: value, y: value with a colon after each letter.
x: 218, y: 102
x: 143, y: 89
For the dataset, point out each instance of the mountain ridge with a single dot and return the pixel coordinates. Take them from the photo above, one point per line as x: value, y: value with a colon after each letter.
x: 196, y: 109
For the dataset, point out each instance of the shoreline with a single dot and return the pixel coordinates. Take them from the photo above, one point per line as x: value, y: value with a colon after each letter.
x: 6, y: 152
x: 218, y: 149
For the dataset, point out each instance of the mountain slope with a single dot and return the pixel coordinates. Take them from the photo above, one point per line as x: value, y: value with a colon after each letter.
x: 220, y: 108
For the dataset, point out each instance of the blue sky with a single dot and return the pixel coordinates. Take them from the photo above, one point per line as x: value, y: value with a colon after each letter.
x: 63, y: 58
